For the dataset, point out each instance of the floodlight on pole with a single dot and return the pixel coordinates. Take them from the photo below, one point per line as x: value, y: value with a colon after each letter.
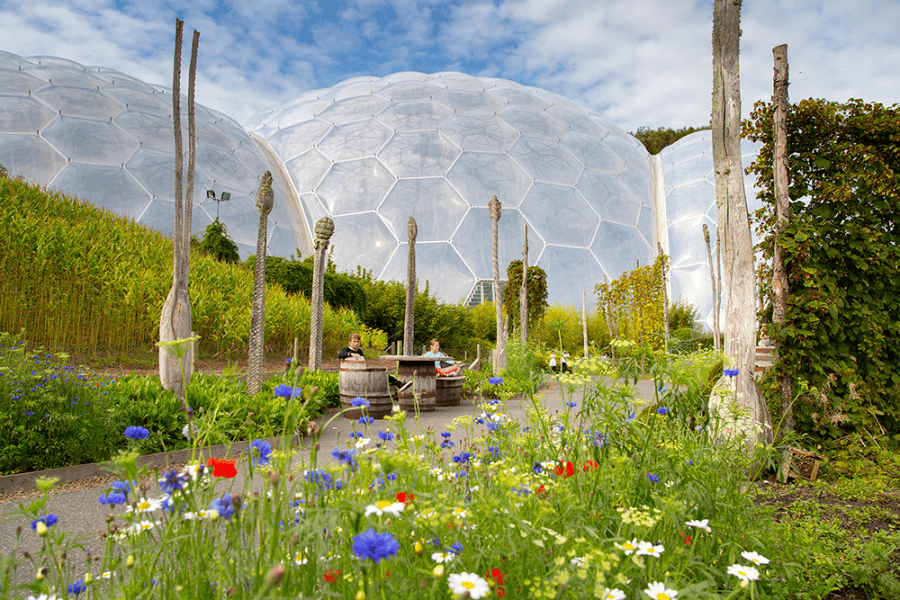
x: 211, y: 194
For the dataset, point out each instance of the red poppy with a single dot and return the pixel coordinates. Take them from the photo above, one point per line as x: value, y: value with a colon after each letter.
x: 541, y: 491
x: 222, y: 468
x: 404, y: 497
x: 332, y: 576
x: 590, y: 465
x: 497, y: 575
x: 687, y: 538
x: 500, y: 592
x: 565, y: 469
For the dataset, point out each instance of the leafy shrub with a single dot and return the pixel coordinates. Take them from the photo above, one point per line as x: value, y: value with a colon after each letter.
x: 217, y: 244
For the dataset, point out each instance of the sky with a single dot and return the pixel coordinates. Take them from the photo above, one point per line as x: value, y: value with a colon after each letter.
x: 638, y: 62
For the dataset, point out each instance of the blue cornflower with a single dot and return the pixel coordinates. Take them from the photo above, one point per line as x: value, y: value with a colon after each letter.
x: 690, y: 462
x: 359, y: 401
x: 366, y: 420
x: 77, y: 587
x: 27, y: 412
x: 170, y: 483
x: 355, y: 434
x: 123, y: 486
x: 521, y: 490
x: 537, y: 468
x: 731, y: 372
x: 224, y: 506
x: 49, y: 520
x: 445, y: 434
x: 662, y: 410
x: 571, y: 404
x: 371, y: 545
x: 285, y: 391
x: 436, y: 542
x: 495, y: 380
x: 631, y: 418
x: 385, y: 436
x: 495, y: 450
x: 137, y: 433
x: 391, y: 476
x: 601, y: 440
x: 262, y: 453
x: 447, y: 444
x: 112, y: 498
x: 321, y: 478
x: 456, y: 548
x: 653, y: 478
x: 462, y: 457
x: 492, y: 426
x: 345, y: 456
x: 479, y: 420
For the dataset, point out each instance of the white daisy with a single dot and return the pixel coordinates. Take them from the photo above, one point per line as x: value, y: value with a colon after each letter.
x: 385, y: 506
x: 468, y: 583
x: 756, y: 559
x: 743, y: 573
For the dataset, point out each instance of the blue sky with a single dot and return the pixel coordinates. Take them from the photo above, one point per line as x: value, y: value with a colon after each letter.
x: 638, y: 62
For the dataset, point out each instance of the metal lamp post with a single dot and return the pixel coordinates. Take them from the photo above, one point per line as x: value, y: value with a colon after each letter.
x: 211, y: 194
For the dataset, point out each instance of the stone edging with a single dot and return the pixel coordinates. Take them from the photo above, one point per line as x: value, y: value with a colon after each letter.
x: 9, y: 483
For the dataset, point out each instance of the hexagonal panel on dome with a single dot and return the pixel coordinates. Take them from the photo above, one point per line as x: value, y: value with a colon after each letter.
x: 354, y: 88
x: 354, y: 140
x: 518, y: 97
x: 353, y: 109
x: 66, y: 75
x: 454, y: 80
x: 151, y: 131
x: 479, y: 176
x: 637, y: 179
x: 608, y: 195
x: 312, y: 209
x: 470, y: 101
x: 627, y: 150
x: 20, y: 82
x: 535, y: 123
x: 155, y: 103
x: 432, y: 202
x: 618, y: 247
x: 105, y: 186
x: 119, y: 80
x: 23, y: 114
x: 296, y: 139
x: 415, y: 114
x: 577, y: 121
x: 438, y: 264
x: 569, y: 271
x: 362, y: 240
x: 474, y: 240
x: 80, y: 102
x: 409, y: 90
x: 90, y: 140
x: 686, y: 243
x: 355, y: 186
x: 418, y: 154
x: 160, y: 215
x: 480, y: 133
x: 155, y: 171
x: 692, y: 285
x: 690, y: 199
x: 647, y: 224
x: 307, y: 170
x: 546, y: 161
x: 241, y: 175
x: 29, y: 155
x: 560, y: 214
x: 593, y: 153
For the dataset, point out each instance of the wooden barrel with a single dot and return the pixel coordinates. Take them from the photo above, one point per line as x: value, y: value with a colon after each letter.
x: 420, y: 395
x: 448, y: 390
x: 356, y: 379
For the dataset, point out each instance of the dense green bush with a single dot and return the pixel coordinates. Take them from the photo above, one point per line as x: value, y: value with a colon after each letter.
x: 295, y: 277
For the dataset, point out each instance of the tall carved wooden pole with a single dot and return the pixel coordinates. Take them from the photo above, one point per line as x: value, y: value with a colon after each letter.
x: 523, y: 294
x: 265, y: 200
x: 324, y: 229
x: 734, y: 222
x: 782, y: 216
x: 499, y: 362
x: 715, y: 297
x: 175, y: 319
x: 665, y: 298
x: 409, y: 319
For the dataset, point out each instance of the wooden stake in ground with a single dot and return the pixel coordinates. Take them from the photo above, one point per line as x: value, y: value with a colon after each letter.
x: 715, y: 296
x: 265, y: 200
x: 523, y: 295
x: 665, y: 298
x: 499, y: 362
x: 324, y: 229
x: 734, y: 222
x: 412, y: 230
x: 584, y: 319
x: 175, y: 319
x: 782, y: 216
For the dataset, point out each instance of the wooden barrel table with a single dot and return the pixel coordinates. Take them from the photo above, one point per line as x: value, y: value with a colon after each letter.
x: 420, y: 370
x: 356, y: 379
x: 448, y: 390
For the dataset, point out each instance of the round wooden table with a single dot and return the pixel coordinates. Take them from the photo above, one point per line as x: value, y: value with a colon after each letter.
x: 420, y: 370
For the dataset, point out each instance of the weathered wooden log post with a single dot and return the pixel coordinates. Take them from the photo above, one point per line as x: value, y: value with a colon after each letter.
x: 409, y: 318
x: 499, y: 362
x: 324, y: 229
x: 265, y: 200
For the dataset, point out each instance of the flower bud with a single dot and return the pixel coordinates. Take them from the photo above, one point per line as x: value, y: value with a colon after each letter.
x: 274, y: 576
x: 360, y: 595
x: 41, y: 529
x: 129, y: 562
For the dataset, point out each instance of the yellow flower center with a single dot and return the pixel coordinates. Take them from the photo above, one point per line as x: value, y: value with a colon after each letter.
x: 468, y: 585
x: 144, y: 505
x: 628, y: 546
x: 741, y: 573
x: 382, y: 504
x: 662, y: 596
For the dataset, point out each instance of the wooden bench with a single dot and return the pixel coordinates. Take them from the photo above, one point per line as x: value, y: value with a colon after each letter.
x: 765, y: 358
x: 448, y: 390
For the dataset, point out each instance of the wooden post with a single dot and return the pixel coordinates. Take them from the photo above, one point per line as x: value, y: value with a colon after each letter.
x: 523, y: 294
x: 715, y: 296
x: 324, y: 230
x: 409, y: 318
x: 499, y: 362
x: 584, y: 319
x: 782, y: 217
x: 195, y: 352
x: 296, y: 355
x: 665, y: 299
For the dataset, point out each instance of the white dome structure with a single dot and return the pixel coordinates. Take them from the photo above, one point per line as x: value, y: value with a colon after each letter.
x: 108, y: 138
x: 371, y: 152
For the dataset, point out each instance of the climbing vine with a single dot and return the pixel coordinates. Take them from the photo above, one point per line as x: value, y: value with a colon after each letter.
x: 633, y: 304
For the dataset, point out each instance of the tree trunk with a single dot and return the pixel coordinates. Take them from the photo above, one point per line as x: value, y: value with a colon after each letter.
x: 734, y: 222
x: 265, y: 200
x: 782, y: 218
x: 412, y: 231
x: 665, y: 298
x: 715, y: 296
x: 523, y: 295
x: 500, y: 353
x: 175, y: 318
x: 324, y: 229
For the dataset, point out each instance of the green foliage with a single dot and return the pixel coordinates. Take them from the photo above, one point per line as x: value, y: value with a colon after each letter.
x: 683, y: 317
x: 295, y: 277
x: 73, y: 275
x: 633, y: 303
x: 655, y: 140
x: 217, y: 244
x: 842, y: 254
x: 537, y: 295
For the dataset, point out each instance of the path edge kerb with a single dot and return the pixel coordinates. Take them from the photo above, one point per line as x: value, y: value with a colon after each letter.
x: 11, y: 483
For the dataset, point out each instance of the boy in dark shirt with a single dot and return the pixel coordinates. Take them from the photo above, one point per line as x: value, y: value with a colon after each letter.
x: 353, y: 352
